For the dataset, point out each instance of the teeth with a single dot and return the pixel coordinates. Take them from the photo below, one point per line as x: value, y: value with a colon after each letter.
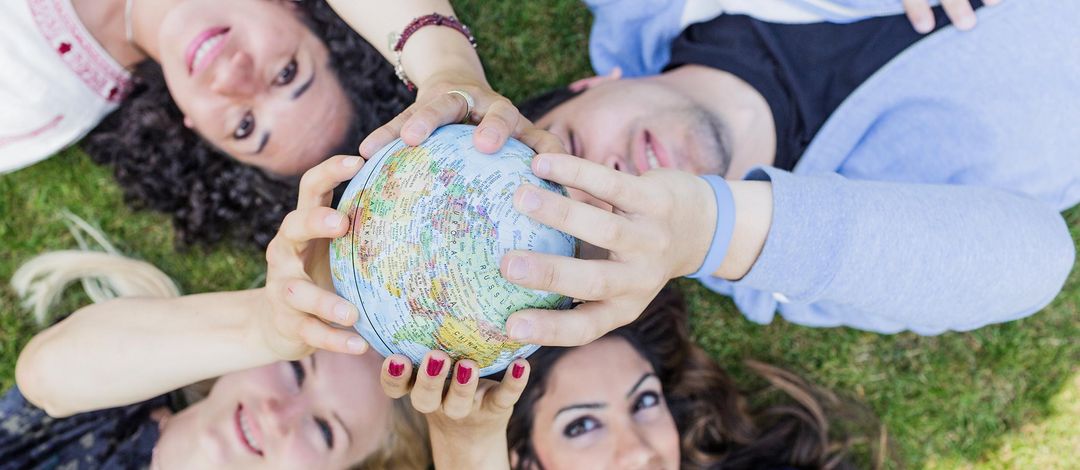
x: 247, y: 431
x: 205, y: 47
x: 651, y: 156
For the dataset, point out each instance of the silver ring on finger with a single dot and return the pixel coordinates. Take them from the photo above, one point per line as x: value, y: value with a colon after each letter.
x: 469, y: 104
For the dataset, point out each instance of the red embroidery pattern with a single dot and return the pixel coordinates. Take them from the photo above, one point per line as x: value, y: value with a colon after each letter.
x: 7, y: 140
x: 60, y: 27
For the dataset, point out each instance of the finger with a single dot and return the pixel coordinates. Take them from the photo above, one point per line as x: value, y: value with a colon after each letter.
x: 572, y: 277
x: 459, y: 399
x: 317, y: 185
x: 611, y: 186
x: 323, y: 336
x: 960, y: 13
x: 305, y: 296
x: 427, y: 392
x: 302, y: 226
x: 395, y: 375
x: 447, y: 108
x: 586, y: 222
x: 499, y: 122
x: 378, y: 138
x: 582, y: 325
x: 920, y: 15
x: 503, y: 397
x: 541, y: 141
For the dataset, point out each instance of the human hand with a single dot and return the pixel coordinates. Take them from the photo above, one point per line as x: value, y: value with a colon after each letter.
x: 298, y: 297
x: 661, y: 228
x: 468, y: 423
x: 435, y: 106
x: 959, y: 12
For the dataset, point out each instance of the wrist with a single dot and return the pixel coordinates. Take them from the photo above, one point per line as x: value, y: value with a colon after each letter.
x: 478, y: 452
x: 437, y: 52
x: 717, y: 224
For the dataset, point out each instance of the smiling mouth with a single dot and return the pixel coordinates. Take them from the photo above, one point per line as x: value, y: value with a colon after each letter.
x: 204, y: 48
x: 244, y: 429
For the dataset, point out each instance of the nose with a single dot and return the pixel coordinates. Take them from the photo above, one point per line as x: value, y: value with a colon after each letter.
x: 281, y: 414
x: 634, y: 451
x: 615, y: 162
x: 235, y: 77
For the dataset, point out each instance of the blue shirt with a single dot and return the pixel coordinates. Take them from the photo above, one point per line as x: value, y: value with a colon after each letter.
x: 929, y: 201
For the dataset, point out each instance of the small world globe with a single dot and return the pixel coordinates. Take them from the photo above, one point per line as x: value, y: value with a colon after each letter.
x: 421, y: 258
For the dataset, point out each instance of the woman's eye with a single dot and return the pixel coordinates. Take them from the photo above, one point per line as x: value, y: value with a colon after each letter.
x: 580, y: 426
x: 298, y: 371
x: 287, y: 74
x: 646, y: 400
x: 328, y: 434
x: 245, y: 127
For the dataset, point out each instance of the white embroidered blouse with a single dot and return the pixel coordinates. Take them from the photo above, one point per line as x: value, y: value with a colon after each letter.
x: 56, y: 82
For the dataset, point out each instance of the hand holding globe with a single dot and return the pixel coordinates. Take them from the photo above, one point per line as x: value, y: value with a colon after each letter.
x: 420, y: 260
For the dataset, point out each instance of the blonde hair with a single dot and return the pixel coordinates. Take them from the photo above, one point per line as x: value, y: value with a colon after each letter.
x: 106, y: 274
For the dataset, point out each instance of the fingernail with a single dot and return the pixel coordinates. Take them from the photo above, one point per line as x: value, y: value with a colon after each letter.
x: 530, y: 201
x: 517, y: 268
x: 464, y: 374
x: 341, y: 312
x: 414, y: 132
x: 541, y: 167
x: 395, y: 368
x: 333, y: 220
x: 350, y: 162
x: 434, y: 367
x: 924, y: 25
x: 355, y: 344
x: 520, y: 330
x: 518, y: 371
x: 489, y: 135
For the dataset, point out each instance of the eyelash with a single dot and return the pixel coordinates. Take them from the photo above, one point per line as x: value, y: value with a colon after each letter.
x: 324, y: 426
x: 639, y: 403
x: 246, y: 126
x: 580, y: 426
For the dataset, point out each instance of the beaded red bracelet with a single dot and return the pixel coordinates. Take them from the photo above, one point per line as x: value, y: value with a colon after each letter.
x: 434, y: 19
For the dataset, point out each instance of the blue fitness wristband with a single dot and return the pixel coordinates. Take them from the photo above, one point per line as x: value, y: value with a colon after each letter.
x: 725, y: 226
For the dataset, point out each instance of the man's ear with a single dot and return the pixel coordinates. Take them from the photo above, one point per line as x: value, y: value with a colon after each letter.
x: 586, y: 83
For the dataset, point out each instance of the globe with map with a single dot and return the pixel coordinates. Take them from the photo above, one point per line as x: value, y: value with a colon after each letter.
x: 421, y: 258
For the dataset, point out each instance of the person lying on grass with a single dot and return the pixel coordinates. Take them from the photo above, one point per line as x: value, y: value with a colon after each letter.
x: 643, y: 396
x: 104, y: 384
x: 927, y: 198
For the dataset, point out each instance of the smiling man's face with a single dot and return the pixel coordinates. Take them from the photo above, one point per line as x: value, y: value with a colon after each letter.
x: 635, y: 125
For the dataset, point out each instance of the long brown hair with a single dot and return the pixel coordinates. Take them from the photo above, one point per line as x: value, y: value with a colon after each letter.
x: 717, y: 426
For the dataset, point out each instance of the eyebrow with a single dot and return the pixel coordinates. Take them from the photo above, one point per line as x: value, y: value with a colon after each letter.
x: 300, y: 90
x: 581, y: 406
x: 639, y: 382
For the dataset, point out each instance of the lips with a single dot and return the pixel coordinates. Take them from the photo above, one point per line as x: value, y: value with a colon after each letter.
x: 202, y: 50
x: 248, y: 431
x: 651, y: 154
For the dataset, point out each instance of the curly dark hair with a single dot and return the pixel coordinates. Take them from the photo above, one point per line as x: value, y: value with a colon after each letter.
x: 164, y: 166
x: 717, y: 426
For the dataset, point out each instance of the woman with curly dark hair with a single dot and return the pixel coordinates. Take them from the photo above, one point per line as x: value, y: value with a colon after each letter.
x: 645, y: 396
x: 164, y: 165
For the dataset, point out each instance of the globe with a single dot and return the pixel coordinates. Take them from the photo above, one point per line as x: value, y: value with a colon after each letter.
x: 421, y: 258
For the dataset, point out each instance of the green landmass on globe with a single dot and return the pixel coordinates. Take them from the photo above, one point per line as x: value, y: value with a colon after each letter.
x: 421, y: 259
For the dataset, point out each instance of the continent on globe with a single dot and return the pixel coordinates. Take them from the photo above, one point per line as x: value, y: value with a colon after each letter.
x: 421, y: 259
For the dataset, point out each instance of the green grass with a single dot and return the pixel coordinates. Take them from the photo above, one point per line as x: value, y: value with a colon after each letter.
x: 1000, y: 397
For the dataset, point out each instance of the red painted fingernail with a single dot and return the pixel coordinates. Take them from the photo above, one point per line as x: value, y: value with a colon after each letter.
x: 434, y: 366
x: 518, y: 371
x: 464, y: 374
x: 396, y: 368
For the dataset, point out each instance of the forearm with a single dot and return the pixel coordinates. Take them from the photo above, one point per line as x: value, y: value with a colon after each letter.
x: 129, y: 350
x: 429, y: 53
x: 483, y: 452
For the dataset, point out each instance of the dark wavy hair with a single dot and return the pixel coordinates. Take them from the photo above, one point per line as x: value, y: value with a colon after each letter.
x: 535, y: 107
x: 164, y: 166
x: 718, y: 428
